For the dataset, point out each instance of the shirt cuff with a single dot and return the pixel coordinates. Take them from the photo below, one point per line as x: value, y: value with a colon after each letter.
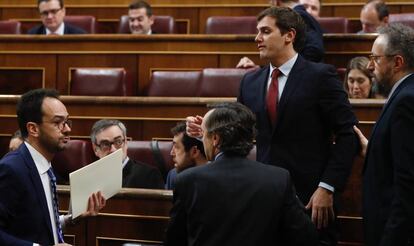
x: 326, y: 186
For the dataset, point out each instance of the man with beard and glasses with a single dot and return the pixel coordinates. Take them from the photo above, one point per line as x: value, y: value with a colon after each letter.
x: 388, y: 173
x: 28, y: 197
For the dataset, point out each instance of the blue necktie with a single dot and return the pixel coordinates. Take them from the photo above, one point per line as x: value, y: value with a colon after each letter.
x: 55, y: 204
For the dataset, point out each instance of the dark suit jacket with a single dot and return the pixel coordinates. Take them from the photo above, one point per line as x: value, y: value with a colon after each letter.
x: 24, y: 216
x: 388, y: 182
x: 139, y: 175
x: 313, y: 106
x: 235, y: 201
x: 313, y: 49
x: 69, y: 29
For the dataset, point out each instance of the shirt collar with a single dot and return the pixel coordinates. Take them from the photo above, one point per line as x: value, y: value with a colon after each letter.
x: 59, y: 31
x: 218, y: 156
x: 286, y: 67
x: 396, y: 85
x: 42, y: 164
x: 125, y: 162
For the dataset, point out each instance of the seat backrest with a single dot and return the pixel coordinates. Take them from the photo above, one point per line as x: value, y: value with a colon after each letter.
x: 143, y: 151
x: 334, y: 24
x: 405, y: 18
x: 231, y: 25
x: 221, y: 82
x: 77, y: 154
x: 174, y: 83
x: 86, y: 22
x: 10, y: 27
x: 98, y: 82
x: 163, y: 24
x: 341, y: 73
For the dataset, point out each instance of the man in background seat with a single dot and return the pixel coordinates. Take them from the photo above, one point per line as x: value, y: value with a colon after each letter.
x: 52, y: 13
x: 140, y: 18
x: 107, y: 136
x: 374, y: 14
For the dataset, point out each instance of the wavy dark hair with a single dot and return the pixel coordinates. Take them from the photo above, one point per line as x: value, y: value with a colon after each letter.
x: 235, y: 124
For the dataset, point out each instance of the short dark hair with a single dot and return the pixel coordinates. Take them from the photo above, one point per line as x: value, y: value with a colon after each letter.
x: 17, y: 134
x: 29, y: 107
x: 41, y: 1
x: 382, y: 10
x: 103, y: 124
x: 400, y: 41
x: 141, y: 4
x: 235, y: 124
x: 187, y: 141
x: 287, y: 19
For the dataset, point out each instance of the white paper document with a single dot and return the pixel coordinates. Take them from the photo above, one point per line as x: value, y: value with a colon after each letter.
x: 103, y: 175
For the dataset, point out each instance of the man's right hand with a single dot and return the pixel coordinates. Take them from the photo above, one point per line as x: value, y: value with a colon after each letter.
x: 245, y: 62
x: 193, y: 126
x: 363, y: 140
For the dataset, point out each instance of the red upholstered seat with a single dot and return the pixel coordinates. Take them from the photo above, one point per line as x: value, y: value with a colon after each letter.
x: 334, y: 24
x: 143, y: 151
x: 221, y: 82
x: 10, y: 27
x: 163, y: 24
x: 86, y: 22
x: 341, y: 73
x: 406, y: 19
x: 231, y: 25
x: 98, y: 82
x: 175, y: 83
x: 77, y: 154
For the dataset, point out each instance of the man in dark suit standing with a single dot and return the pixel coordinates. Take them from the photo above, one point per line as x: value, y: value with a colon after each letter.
x: 28, y: 199
x: 107, y: 136
x: 52, y: 13
x: 232, y: 200
x: 303, y: 114
x: 388, y: 178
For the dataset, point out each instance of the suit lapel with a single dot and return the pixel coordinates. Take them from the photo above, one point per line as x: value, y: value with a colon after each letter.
x: 295, y: 77
x: 37, y: 184
x: 263, y: 80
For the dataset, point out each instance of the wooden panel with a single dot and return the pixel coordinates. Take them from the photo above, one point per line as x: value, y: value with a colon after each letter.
x: 17, y: 80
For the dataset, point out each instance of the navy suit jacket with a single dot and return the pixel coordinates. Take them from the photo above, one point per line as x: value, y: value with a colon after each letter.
x: 69, y: 29
x: 235, y: 201
x: 24, y: 216
x: 313, y: 49
x: 313, y: 107
x: 388, y: 180
x: 140, y: 175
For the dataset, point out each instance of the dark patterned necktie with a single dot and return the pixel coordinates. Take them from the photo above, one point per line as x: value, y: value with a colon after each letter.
x: 55, y: 204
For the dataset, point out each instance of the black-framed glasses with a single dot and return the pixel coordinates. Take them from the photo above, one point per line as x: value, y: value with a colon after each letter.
x: 106, y: 145
x: 375, y: 58
x: 50, y: 11
x: 61, y: 124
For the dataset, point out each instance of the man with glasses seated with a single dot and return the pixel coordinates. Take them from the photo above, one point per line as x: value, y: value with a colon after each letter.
x: 52, y: 13
x: 108, y: 136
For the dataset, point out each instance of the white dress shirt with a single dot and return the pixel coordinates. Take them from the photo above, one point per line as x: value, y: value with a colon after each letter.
x: 59, y: 31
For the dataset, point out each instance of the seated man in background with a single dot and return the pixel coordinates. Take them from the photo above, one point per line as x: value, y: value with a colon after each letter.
x: 313, y: 49
x: 52, y: 13
x: 234, y: 194
x: 313, y: 7
x: 108, y: 136
x: 373, y: 15
x: 15, y: 140
x: 186, y: 152
x: 140, y: 18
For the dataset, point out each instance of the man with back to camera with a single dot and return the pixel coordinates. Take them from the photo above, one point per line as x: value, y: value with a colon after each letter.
x: 140, y: 18
x: 304, y: 118
x: 373, y: 15
x: 52, y: 13
x: 28, y: 198
x: 107, y: 136
x: 233, y: 200
x: 186, y: 152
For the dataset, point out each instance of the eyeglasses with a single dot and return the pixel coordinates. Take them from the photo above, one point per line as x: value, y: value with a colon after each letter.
x: 106, y: 145
x: 376, y: 58
x: 61, y: 124
x: 51, y: 11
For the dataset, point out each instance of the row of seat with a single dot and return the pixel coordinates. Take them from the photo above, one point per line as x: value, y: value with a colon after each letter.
x: 162, y: 24
x: 215, y: 24
x: 208, y: 82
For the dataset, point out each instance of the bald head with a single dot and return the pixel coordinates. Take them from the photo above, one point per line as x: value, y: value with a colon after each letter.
x: 373, y: 15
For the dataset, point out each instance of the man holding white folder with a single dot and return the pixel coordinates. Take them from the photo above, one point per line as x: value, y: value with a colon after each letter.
x: 28, y: 198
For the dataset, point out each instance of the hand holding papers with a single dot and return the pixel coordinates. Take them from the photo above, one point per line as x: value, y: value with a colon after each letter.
x: 103, y: 175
